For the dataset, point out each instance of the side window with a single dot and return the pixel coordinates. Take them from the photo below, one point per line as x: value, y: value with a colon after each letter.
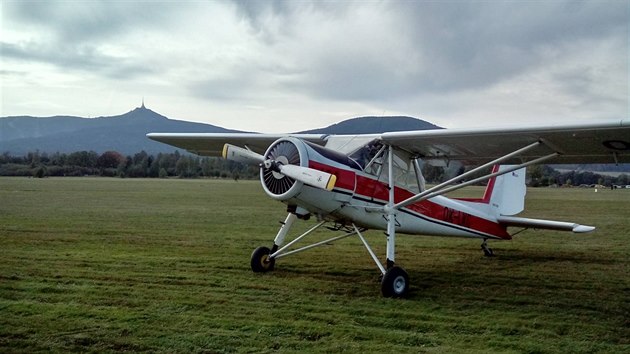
x: 370, y: 157
x: 373, y: 159
x: 376, y: 166
x: 403, y: 170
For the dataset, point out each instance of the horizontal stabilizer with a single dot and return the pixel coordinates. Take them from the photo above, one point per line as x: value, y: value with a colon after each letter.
x: 544, y: 224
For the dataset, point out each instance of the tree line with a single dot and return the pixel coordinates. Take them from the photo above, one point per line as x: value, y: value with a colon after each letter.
x: 544, y: 175
x: 114, y: 164
x: 164, y: 165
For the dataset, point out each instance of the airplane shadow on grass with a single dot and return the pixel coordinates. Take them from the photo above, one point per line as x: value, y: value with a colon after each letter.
x: 538, y: 273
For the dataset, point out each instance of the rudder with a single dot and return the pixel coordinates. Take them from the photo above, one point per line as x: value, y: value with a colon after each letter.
x: 506, y: 193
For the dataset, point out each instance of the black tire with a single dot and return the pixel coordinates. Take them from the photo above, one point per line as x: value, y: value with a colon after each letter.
x: 261, y: 262
x: 395, y: 283
x: 488, y: 252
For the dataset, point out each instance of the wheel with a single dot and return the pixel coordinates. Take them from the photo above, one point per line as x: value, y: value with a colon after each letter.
x: 395, y: 283
x: 487, y: 251
x: 261, y: 262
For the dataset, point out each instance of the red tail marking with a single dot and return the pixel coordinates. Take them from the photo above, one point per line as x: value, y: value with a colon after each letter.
x: 490, y: 187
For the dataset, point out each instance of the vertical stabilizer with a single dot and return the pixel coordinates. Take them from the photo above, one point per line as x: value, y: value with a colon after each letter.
x: 506, y: 193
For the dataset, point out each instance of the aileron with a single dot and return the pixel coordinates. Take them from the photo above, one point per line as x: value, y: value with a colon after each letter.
x: 585, y: 143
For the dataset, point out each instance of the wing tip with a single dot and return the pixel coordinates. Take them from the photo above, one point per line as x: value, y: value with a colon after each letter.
x: 582, y: 228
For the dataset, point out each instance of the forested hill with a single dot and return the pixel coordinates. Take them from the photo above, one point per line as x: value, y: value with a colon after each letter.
x: 370, y: 125
x: 124, y: 133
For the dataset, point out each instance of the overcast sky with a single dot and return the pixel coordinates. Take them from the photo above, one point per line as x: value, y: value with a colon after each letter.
x: 280, y: 66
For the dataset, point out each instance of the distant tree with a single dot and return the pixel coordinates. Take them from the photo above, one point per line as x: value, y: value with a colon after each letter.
x: 536, y: 175
x: 109, y: 159
x: 206, y: 167
x: 123, y: 167
x: 33, y: 158
x: 58, y: 159
x: 5, y: 158
x: 40, y: 172
x: 182, y: 167
x: 187, y: 167
x: 83, y: 159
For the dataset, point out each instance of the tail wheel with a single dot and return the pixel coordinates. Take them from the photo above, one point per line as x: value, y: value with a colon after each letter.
x: 261, y: 262
x: 395, y: 283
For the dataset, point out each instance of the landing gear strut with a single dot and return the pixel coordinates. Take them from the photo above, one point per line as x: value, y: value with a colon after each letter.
x: 395, y: 281
x: 487, y: 251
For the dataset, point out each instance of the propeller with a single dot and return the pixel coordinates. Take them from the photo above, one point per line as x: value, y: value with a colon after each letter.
x: 238, y: 154
x: 310, y: 176
x: 306, y: 175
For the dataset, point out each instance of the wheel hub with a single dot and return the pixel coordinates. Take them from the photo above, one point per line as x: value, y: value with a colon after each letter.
x: 399, y: 284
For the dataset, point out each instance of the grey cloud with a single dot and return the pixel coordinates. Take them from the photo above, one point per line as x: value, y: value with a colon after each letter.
x: 87, y: 21
x: 221, y: 89
x: 255, y: 11
x: 459, y: 46
x: 274, y: 19
x: 478, y: 44
x: 13, y: 73
x: 74, y: 57
x: 70, y: 35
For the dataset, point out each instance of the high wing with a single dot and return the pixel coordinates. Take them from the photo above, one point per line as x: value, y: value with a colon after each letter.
x: 596, y: 142
x: 211, y: 144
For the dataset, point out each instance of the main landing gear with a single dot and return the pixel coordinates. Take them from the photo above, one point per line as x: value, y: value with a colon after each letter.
x: 261, y: 262
x: 395, y: 281
x: 487, y: 251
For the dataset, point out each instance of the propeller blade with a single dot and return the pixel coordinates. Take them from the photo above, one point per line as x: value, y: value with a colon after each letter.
x: 310, y: 176
x: 238, y: 154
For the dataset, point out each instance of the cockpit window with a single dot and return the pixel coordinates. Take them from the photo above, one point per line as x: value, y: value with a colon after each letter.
x: 404, y: 172
x: 335, y: 156
x: 372, y: 158
x: 367, y: 153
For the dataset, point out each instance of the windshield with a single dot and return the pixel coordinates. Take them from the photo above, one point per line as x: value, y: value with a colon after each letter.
x: 373, y: 159
x: 367, y: 153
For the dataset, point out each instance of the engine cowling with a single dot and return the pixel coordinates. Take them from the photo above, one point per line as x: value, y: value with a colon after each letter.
x: 287, y: 151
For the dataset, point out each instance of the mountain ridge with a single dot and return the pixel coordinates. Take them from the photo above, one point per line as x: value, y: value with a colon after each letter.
x: 126, y: 133
x: 373, y: 125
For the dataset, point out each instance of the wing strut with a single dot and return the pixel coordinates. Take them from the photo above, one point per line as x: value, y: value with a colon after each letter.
x: 391, y: 211
x: 442, y: 187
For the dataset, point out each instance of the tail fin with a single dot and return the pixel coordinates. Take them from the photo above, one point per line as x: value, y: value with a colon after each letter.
x: 506, y: 193
x: 505, y: 196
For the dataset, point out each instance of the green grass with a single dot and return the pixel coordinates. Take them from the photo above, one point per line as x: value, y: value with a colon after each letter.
x: 98, y: 265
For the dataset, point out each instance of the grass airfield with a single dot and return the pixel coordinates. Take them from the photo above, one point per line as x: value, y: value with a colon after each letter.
x: 110, y: 265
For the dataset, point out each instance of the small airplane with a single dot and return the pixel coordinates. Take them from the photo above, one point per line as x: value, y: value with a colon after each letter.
x: 353, y: 183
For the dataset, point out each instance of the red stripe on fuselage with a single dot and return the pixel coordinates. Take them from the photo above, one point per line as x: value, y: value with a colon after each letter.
x: 345, y: 178
x: 377, y: 191
x: 374, y: 189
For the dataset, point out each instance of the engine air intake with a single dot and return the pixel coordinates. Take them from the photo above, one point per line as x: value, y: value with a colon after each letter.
x: 276, y: 184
